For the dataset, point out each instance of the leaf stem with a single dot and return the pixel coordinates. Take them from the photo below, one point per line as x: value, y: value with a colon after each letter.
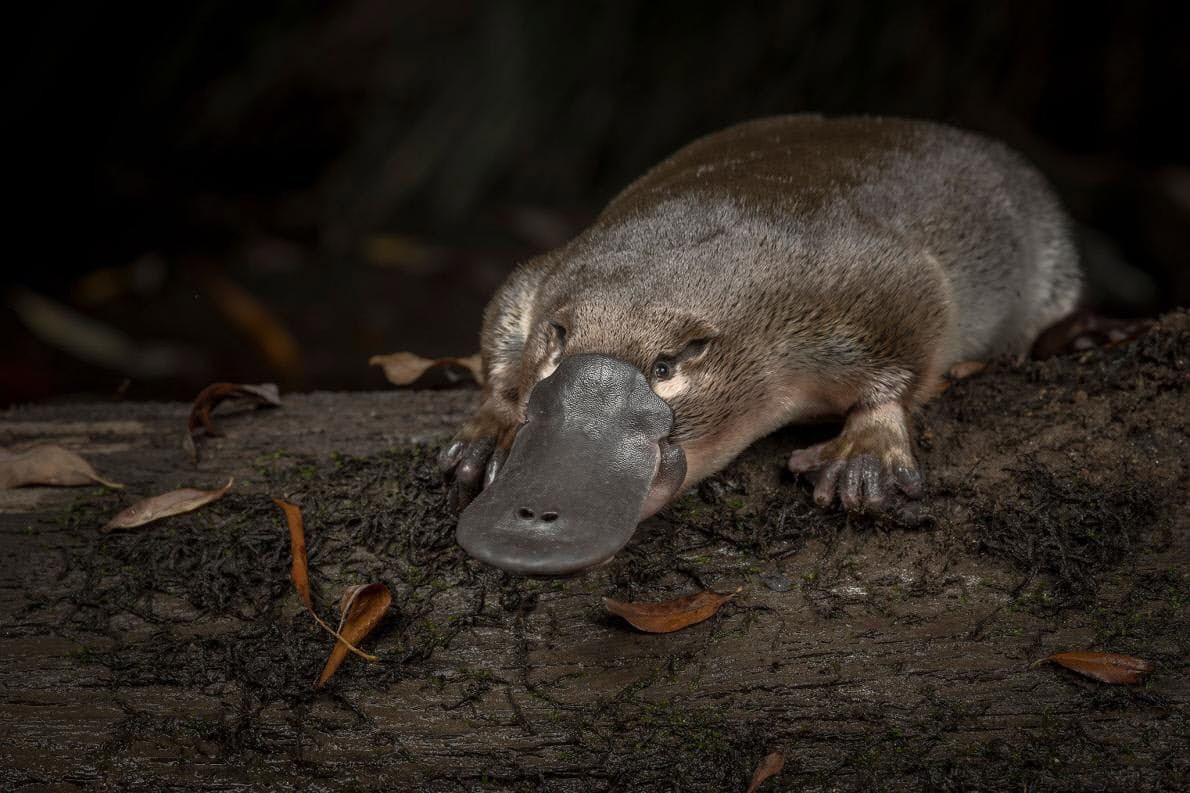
x: 369, y: 658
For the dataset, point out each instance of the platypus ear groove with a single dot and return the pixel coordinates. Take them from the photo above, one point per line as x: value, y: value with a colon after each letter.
x: 559, y: 332
x: 693, y: 350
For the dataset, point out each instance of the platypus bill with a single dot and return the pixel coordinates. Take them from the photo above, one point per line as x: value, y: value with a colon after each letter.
x: 783, y: 270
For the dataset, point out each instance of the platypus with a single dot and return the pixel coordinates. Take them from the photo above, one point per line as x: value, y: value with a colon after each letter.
x: 783, y: 270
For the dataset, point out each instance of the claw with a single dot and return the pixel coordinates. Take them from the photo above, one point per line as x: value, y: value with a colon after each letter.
x: 851, y: 495
x: 908, y: 479
x: 862, y: 482
x: 493, y: 468
x: 867, y: 468
x: 469, y: 473
x: 826, y: 483
x: 875, y: 493
x: 449, y: 457
x: 466, y: 465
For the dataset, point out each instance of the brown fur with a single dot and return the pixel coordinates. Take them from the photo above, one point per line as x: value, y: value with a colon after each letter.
x: 832, y: 266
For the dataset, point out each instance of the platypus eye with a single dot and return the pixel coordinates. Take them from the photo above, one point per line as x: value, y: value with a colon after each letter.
x: 559, y: 331
x: 663, y: 367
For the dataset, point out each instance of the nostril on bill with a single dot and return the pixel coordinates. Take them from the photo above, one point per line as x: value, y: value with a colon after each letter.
x: 524, y: 513
x: 549, y: 517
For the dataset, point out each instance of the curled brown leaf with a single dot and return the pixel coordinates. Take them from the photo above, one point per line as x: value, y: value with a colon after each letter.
x: 361, y: 609
x: 174, y: 502
x: 299, y: 573
x: 210, y: 397
x: 406, y: 368
x: 47, y: 464
x: 1110, y: 668
x: 670, y: 615
x: 770, y: 766
x: 256, y: 320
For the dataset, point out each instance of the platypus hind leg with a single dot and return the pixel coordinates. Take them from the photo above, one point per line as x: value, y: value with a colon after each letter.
x: 869, y: 466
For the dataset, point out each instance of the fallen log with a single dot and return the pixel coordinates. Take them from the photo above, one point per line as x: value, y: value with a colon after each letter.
x: 870, y: 655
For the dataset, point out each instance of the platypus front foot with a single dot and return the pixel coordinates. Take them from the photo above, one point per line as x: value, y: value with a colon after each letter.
x: 869, y: 466
x: 473, y: 458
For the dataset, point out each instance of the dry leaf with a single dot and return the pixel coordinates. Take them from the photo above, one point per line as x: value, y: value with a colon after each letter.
x: 670, y: 615
x: 255, y: 320
x: 100, y: 344
x: 361, y: 609
x: 299, y: 573
x: 46, y: 464
x: 299, y: 567
x: 140, y: 278
x: 770, y: 766
x: 404, y: 252
x: 406, y: 368
x: 1104, y: 667
x: 211, y: 396
x: 175, y: 502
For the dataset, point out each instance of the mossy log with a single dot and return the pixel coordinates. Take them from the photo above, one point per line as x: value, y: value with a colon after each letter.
x: 873, y: 656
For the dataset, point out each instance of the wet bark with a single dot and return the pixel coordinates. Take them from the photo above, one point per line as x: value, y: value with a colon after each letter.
x: 873, y: 656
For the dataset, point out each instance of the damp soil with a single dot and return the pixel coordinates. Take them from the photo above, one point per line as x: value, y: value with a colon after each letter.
x: 874, y: 655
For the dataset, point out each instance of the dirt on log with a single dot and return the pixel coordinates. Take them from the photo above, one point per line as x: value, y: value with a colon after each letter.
x: 872, y: 656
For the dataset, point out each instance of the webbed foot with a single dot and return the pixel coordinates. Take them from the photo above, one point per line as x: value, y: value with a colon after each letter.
x: 869, y: 467
x: 472, y: 459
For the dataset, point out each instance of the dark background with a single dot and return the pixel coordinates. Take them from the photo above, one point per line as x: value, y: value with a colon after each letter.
x: 276, y: 191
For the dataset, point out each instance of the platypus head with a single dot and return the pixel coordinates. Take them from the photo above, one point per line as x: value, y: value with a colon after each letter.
x: 591, y: 461
x: 638, y: 376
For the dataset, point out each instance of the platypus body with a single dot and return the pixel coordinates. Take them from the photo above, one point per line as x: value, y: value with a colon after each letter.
x: 783, y: 270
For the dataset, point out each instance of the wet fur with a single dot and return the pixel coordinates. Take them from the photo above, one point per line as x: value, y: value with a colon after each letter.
x: 836, y: 265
